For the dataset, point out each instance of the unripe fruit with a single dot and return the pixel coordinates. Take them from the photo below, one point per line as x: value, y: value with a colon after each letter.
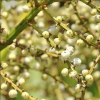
x: 4, y: 65
x: 21, y: 81
x: 5, y: 14
x: 12, y: 46
x: 58, y: 19
x: 26, y: 75
x: 73, y: 74
x: 26, y: 8
x: 24, y: 52
x: 44, y: 76
x: 65, y: 54
x: 76, y: 61
x: 69, y: 33
x: 64, y: 72
x: 25, y: 95
x: 78, y: 88
x: 16, y: 68
x: 57, y: 41
x: 3, y: 86
x: 70, y: 49
x: 96, y: 75
x: 85, y: 72
x: 94, y: 12
x: 44, y: 56
x: 89, y: 78
x: 45, y: 34
x: 32, y: 50
x: 89, y: 38
x: 12, y: 93
x: 52, y: 50
x: 80, y: 42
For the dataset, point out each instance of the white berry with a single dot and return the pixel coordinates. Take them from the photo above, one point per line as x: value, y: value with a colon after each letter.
x: 4, y: 65
x: 12, y: 93
x: 85, y: 72
x: 73, y: 74
x: 64, y: 72
x: 3, y: 86
x: 21, y: 81
x: 76, y: 61
x: 69, y: 33
x: 78, y: 88
x: 89, y: 38
x: 58, y: 19
x: 80, y: 42
x: 65, y: 54
x: 57, y: 41
x: 25, y: 95
x: 89, y: 78
x: 45, y: 34
x: 70, y: 49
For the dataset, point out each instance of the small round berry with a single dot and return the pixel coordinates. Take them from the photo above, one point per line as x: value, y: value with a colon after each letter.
x: 89, y: 78
x: 45, y: 34
x: 52, y: 50
x: 21, y: 81
x: 69, y: 33
x: 78, y: 88
x: 70, y: 49
x: 3, y: 86
x: 85, y: 72
x: 24, y: 52
x: 65, y: 55
x: 4, y: 65
x: 5, y: 14
x: 12, y: 93
x: 26, y: 74
x: 80, y: 42
x: 16, y: 68
x: 26, y: 8
x: 58, y: 19
x: 89, y: 38
x: 44, y: 56
x: 94, y: 11
x: 73, y: 74
x: 76, y: 61
x: 32, y: 50
x: 44, y: 76
x: 57, y: 41
x: 25, y: 95
x: 64, y: 72
x: 96, y: 75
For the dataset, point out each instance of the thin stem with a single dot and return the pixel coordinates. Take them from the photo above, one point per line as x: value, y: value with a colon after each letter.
x: 91, y: 5
x: 94, y: 64
x: 66, y: 28
x: 13, y: 85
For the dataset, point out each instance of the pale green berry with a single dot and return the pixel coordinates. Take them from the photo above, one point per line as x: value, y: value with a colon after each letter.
x: 16, y: 68
x: 96, y: 75
x: 45, y: 34
x: 26, y: 8
x: 78, y: 88
x: 73, y: 74
x: 70, y: 49
x: 44, y: 56
x: 85, y: 72
x: 24, y: 52
x: 89, y: 78
x: 89, y: 38
x: 4, y: 65
x: 69, y: 33
x: 26, y: 74
x: 64, y: 72
x: 12, y: 93
x: 80, y: 42
x: 25, y: 95
x: 44, y: 76
x: 64, y: 17
x: 5, y: 14
x: 57, y: 41
x: 65, y: 55
x: 94, y: 11
x: 12, y: 46
x: 58, y: 19
x: 21, y: 81
x: 3, y: 86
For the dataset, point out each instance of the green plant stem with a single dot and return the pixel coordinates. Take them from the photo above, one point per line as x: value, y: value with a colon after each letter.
x: 91, y: 5
x: 13, y: 85
x: 82, y: 21
x: 66, y: 28
x: 94, y: 64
